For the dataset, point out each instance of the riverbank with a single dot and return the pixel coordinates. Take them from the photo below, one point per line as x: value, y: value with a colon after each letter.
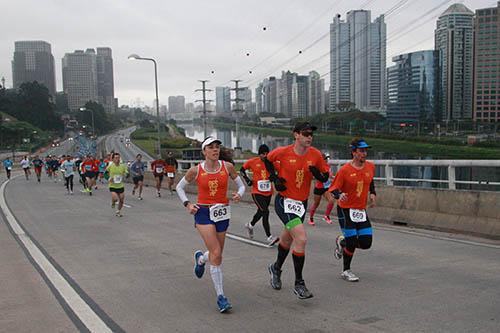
x: 411, y: 149
x: 171, y: 139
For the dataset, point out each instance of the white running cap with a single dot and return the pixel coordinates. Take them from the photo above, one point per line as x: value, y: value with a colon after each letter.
x: 209, y: 140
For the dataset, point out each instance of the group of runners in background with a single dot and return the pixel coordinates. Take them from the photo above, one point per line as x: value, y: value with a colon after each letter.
x: 91, y: 171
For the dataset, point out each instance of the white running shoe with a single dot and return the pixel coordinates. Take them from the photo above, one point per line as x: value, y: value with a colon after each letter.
x: 249, y: 228
x: 348, y: 275
x: 337, y: 253
x: 271, y: 240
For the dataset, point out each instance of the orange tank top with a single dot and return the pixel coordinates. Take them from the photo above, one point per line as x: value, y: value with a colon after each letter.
x: 212, y: 186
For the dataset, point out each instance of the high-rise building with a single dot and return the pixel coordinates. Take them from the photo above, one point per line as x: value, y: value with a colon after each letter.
x: 33, y: 61
x: 259, y: 98
x: 340, y: 69
x: 357, y: 60
x: 246, y: 96
x: 79, y: 71
x: 316, y: 94
x: 271, y: 92
x: 487, y: 64
x: 285, y: 93
x: 105, y: 81
x: 454, y: 42
x: 176, y: 104
x: 300, y: 102
x: 223, y: 100
x: 412, y: 87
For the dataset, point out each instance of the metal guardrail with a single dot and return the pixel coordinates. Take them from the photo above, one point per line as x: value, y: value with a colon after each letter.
x: 385, y: 170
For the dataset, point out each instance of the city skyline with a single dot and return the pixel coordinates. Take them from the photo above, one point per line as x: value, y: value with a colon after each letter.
x: 156, y: 30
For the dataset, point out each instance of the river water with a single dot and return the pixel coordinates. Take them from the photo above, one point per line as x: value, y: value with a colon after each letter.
x: 251, y: 141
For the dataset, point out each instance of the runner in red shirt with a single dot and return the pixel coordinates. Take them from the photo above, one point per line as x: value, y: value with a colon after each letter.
x: 298, y: 164
x: 158, y: 167
x: 350, y: 187
x: 262, y: 192
x: 89, y: 169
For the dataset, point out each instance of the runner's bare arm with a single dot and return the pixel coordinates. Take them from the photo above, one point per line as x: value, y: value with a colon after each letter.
x: 241, y: 187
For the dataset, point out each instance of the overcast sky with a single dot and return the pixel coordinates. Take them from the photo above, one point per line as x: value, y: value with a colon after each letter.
x: 190, y: 39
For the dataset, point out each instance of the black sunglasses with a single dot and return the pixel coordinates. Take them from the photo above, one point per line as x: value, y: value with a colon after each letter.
x: 307, y: 133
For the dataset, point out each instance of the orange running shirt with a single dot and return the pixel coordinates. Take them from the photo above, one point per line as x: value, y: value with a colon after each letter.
x: 170, y: 168
x: 295, y: 170
x: 212, y: 186
x: 355, y: 183
x: 259, y: 173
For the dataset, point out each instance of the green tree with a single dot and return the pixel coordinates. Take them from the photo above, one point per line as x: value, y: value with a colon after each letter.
x: 103, y: 121
x: 33, y: 105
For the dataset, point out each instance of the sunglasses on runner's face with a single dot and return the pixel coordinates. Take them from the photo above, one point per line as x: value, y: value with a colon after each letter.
x: 306, y: 133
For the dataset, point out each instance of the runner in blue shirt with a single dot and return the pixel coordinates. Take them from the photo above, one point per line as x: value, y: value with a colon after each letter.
x: 137, y: 171
x: 7, y: 164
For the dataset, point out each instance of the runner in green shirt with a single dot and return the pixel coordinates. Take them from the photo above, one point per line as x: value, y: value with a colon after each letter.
x: 117, y: 172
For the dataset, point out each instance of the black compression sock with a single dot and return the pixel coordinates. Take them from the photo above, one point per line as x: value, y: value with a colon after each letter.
x: 298, y: 264
x: 282, y: 253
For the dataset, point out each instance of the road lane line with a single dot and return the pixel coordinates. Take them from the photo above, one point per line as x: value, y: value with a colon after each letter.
x: 246, y: 240
x: 125, y: 205
x: 87, y: 316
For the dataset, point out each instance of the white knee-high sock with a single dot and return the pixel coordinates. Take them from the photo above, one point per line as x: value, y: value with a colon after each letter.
x: 216, y: 273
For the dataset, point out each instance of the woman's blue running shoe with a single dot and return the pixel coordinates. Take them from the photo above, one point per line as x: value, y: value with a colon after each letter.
x: 223, y: 303
x: 198, y: 269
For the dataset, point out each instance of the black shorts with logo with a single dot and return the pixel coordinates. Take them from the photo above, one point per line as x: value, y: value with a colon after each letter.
x: 137, y: 179
x: 319, y: 191
x: 279, y: 207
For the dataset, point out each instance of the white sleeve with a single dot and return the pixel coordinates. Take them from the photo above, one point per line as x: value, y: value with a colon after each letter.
x: 180, y: 189
x: 241, y: 186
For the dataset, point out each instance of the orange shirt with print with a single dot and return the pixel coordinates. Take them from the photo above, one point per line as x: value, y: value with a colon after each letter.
x: 170, y: 168
x: 259, y: 173
x: 295, y: 170
x: 212, y: 186
x: 355, y: 183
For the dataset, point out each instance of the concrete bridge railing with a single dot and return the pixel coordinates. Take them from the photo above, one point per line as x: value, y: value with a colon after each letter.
x: 386, y: 171
x: 468, y: 212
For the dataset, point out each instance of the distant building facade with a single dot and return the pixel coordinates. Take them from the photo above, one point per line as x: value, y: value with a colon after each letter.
x: 454, y: 42
x: 412, y: 87
x: 222, y: 100
x: 105, y: 79
x: 486, y: 90
x: 357, y: 61
x: 176, y: 104
x: 79, y: 71
x: 33, y: 61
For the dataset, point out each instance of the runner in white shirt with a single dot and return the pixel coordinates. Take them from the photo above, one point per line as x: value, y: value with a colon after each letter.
x: 25, y: 164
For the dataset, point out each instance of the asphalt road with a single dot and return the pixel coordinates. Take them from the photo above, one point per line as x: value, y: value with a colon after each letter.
x: 127, y: 152
x: 136, y: 272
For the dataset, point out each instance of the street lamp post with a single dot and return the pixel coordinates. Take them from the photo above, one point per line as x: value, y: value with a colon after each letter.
x: 136, y: 57
x: 92, y: 113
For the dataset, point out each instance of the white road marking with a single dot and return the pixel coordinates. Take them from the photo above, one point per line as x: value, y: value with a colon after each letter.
x: 128, y: 206
x: 246, y: 240
x: 88, y: 317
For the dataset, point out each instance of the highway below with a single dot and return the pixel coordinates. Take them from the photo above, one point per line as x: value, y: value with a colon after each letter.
x: 117, y: 142
x: 135, y: 274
